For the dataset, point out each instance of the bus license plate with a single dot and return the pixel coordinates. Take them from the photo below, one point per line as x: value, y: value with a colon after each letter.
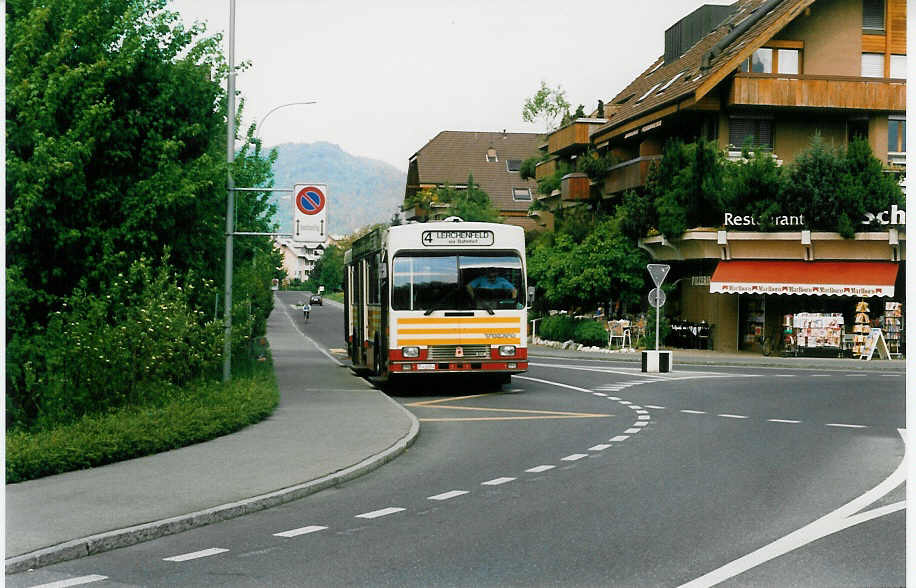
x: 426, y: 366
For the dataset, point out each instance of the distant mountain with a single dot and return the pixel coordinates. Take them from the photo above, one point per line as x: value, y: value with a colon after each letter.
x: 361, y: 191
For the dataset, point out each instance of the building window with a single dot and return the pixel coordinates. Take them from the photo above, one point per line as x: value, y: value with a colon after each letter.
x: 898, y: 67
x: 873, y: 15
x: 513, y: 165
x: 756, y: 132
x: 521, y: 193
x: 770, y: 60
x: 872, y: 65
x: 491, y: 155
x: 896, y: 134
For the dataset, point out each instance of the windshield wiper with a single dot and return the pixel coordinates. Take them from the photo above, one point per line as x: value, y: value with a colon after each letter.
x: 434, y: 308
x: 486, y: 307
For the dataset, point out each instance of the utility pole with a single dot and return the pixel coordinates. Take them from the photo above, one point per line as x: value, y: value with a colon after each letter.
x: 230, y: 194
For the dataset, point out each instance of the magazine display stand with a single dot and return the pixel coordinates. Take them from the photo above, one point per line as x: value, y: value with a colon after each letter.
x: 893, y: 327
x: 861, y: 330
x: 813, y: 331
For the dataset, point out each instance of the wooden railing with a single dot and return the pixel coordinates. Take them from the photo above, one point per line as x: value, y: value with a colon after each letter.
x: 818, y: 92
x: 629, y: 174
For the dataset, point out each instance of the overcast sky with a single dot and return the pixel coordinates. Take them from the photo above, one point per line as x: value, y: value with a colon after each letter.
x: 389, y: 76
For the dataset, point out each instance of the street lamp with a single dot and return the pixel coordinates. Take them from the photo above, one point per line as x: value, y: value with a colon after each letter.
x: 276, y: 108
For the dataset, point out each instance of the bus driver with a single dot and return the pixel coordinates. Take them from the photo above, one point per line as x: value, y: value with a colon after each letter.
x: 489, y: 285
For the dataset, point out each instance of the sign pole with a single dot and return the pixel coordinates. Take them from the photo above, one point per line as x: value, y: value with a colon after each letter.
x: 656, y: 327
x: 230, y: 195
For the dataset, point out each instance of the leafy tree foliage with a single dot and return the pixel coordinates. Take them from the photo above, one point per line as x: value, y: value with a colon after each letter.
x: 687, y: 186
x: 547, y: 104
x: 116, y: 130
x: 328, y: 270
x: 471, y: 204
x: 601, y: 266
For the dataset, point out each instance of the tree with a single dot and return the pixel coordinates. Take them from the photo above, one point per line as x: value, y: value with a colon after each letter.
x: 547, y: 104
x: 328, y: 270
x: 687, y: 186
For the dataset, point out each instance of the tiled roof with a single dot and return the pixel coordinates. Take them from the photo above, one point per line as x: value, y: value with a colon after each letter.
x: 451, y: 155
x: 694, y: 78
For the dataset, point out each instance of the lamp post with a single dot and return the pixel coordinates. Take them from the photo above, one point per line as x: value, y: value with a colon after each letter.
x: 276, y: 108
x: 230, y: 194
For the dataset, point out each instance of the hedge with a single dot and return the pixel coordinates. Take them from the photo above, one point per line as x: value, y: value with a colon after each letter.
x: 561, y: 327
x: 203, y: 411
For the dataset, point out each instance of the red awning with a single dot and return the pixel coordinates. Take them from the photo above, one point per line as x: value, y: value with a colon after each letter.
x: 820, y: 278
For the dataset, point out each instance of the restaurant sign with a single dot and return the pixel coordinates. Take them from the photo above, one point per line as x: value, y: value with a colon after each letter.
x: 894, y: 216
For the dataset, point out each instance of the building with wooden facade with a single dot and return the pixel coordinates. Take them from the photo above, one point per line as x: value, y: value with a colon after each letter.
x: 770, y: 74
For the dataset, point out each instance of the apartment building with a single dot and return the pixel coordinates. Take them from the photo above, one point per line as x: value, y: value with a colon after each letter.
x: 771, y: 74
x: 492, y: 158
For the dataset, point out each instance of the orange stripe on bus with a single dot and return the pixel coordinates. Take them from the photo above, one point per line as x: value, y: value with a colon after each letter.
x: 461, y: 341
x: 457, y: 320
x: 459, y: 331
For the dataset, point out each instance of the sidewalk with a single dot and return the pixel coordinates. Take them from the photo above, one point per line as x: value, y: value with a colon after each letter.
x: 329, y: 427
x: 700, y: 357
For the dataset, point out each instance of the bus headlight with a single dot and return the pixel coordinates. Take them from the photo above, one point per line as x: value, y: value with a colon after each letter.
x: 507, y: 350
x: 410, y: 351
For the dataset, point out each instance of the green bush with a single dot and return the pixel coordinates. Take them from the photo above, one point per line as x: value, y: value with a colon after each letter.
x: 591, y: 333
x: 200, y: 412
x: 664, y: 327
x: 559, y: 327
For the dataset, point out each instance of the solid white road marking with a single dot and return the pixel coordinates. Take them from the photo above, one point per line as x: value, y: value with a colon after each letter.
x: 599, y: 394
x: 574, y: 457
x: 631, y: 431
x: 379, y: 513
x: 694, y: 411
x: 74, y: 581
x: 783, y: 421
x: 838, y: 520
x: 846, y: 426
x: 540, y: 468
x: 196, y: 554
x: 496, y: 481
x: 300, y: 531
x: 599, y: 447
x: 733, y: 416
x: 619, y: 438
x: 447, y: 495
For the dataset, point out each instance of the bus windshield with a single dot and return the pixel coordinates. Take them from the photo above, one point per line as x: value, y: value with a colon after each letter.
x: 466, y: 281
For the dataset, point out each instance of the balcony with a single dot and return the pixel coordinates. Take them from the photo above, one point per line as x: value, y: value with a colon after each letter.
x: 818, y: 92
x: 573, y: 137
x: 574, y: 187
x: 629, y: 175
x: 545, y: 169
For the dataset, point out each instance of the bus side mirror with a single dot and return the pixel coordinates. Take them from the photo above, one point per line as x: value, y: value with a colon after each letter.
x: 530, y: 295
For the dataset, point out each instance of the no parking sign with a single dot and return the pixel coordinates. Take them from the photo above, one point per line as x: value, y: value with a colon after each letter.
x: 310, y: 211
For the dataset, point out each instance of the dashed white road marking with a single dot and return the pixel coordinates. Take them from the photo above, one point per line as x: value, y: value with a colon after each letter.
x: 300, y: 531
x: 846, y: 426
x: 655, y: 406
x: 783, y: 421
x: 379, y: 513
x: 631, y: 431
x: 599, y: 447
x: 599, y: 394
x: 540, y: 468
x: 733, y: 416
x: 640, y: 411
x: 447, y: 495
x: 856, y: 375
x: 74, y: 581
x: 694, y: 411
x: 196, y: 554
x: 644, y: 417
x: 619, y: 438
x: 641, y: 423
x: 496, y: 481
x: 624, y: 402
x: 575, y: 457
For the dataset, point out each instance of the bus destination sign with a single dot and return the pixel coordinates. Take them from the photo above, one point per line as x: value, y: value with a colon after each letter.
x: 457, y: 238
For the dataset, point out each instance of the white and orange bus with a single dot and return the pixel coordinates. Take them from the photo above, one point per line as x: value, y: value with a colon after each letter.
x: 438, y: 298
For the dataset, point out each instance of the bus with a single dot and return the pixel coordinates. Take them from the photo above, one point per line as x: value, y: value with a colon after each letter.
x: 445, y: 297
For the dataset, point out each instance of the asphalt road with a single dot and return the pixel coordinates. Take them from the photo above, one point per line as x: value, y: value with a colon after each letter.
x: 586, y: 473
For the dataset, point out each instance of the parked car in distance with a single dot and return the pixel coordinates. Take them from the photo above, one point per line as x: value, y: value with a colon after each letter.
x: 315, y: 299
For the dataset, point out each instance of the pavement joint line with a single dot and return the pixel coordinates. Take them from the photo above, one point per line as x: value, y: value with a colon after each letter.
x: 196, y: 554
x: 300, y: 531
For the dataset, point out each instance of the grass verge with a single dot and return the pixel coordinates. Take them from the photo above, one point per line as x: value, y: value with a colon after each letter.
x: 203, y: 411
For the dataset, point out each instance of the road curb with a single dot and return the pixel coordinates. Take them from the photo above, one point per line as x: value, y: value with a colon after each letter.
x: 102, y: 542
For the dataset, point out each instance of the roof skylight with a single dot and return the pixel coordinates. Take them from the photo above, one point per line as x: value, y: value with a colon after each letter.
x: 672, y: 80
x: 652, y: 89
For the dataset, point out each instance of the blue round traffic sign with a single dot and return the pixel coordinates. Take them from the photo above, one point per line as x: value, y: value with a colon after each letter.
x: 310, y: 200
